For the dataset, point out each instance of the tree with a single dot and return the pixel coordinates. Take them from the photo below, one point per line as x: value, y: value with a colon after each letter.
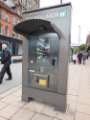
x: 82, y: 47
x: 88, y: 48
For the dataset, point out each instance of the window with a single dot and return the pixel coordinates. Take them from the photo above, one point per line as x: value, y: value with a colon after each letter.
x: 0, y: 23
x: 14, y: 20
x: 6, y: 25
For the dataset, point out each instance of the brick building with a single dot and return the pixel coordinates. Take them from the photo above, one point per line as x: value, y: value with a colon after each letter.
x: 28, y: 5
x: 9, y: 18
x: 88, y: 40
x: 10, y: 15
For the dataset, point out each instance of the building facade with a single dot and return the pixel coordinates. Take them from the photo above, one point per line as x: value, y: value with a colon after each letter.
x: 88, y: 40
x: 28, y: 5
x: 9, y: 18
x: 10, y: 15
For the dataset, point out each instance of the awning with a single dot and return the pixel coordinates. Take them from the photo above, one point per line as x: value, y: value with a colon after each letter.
x: 34, y: 26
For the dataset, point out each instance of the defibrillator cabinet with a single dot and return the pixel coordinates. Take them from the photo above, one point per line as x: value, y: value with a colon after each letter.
x: 46, y: 54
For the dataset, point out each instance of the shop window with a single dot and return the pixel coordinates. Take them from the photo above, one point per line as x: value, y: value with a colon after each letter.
x: 0, y: 46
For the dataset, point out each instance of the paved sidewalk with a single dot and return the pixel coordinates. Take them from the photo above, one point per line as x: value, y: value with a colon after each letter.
x: 16, y: 69
x: 78, y: 100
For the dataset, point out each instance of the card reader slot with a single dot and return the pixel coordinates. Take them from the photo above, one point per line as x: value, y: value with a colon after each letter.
x: 41, y: 75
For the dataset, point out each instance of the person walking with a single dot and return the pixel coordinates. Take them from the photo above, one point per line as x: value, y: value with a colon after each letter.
x: 74, y: 58
x: 80, y: 57
x: 84, y: 57
x: 6, y: 61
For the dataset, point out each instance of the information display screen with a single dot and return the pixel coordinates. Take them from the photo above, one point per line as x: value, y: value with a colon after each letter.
x: 44, y: 49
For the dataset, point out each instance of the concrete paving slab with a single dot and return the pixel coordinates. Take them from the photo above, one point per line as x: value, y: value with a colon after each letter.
x: 18, y: 93
x: 65, y: 116
x: 18, y: 104
x: 34, y: 106
x: 11, y: 98
x: 23, y: 114
x: 78, y: 100
x: 1, y: 118
x: 84, y: 100
x: 49, y: 111
x: 41, y: 117
x: 2, y: 105
x: 83, y: 108
x: 56, y: 119
x: 82, y: 116
x: 72, y: 98
x: 10, y: 91
x: 9, y: 111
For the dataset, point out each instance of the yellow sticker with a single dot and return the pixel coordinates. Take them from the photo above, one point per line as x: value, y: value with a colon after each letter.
x: 42, y: 82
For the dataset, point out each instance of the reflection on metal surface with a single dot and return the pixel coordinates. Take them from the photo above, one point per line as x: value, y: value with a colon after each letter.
x: 43, y: 49
x: 46, y: 50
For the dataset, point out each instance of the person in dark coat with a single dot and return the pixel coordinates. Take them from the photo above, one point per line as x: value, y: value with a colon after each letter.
x: 80, y: 57
x: 6, y: 61
x: 84, y: 57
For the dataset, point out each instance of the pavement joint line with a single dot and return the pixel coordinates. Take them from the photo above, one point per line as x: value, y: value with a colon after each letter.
x: 9, y: 90
x: 14, y: 94
x: 40, y: 113
x: 4, y: 117
x: 16, y: 112
x: 4, y: 101
x: 10, y: 104
x: 72, y: 95
x: 48, y: 115
x: 84, y: 113
x: 87, y: 104
x: 33, y: 115
x: 37, y: 113
x: 4, y: 106
x: 33, y: 110
x: 7, y: 94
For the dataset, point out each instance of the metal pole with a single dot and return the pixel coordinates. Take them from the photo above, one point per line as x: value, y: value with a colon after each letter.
x: 79, y: 34
x: 61, y: 1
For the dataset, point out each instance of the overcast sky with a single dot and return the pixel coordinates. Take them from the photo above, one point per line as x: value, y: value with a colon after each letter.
x: 9, y: 3
x: 80, y: 17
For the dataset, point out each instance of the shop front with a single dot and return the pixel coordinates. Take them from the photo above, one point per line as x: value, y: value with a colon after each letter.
x: 14, y: 45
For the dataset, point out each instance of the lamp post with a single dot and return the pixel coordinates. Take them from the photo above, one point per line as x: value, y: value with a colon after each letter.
x: 61, y: 1
x: 79, y: 34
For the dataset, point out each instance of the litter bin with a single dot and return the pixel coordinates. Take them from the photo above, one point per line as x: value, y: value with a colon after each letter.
x: 46, y: 54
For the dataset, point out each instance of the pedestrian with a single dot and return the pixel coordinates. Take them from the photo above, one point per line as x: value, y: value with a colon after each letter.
x: 80, y: 57
x: 6, y: 61
x: 74, y: 58
x: 84, y: 57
